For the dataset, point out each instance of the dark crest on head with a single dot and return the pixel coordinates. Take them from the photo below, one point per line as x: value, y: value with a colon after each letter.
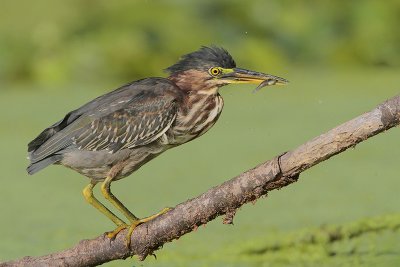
x: 203, y: 59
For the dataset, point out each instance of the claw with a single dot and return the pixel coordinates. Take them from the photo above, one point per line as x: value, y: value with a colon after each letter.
x: 135, y: 223
x: 112, y: 234
x: 164, y: 210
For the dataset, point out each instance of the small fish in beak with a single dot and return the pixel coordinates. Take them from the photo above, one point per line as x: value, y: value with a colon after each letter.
x: 268, y: 82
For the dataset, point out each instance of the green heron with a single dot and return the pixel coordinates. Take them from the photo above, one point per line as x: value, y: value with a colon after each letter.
x: 113, y: 135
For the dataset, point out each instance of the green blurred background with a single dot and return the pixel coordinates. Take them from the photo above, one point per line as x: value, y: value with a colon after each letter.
x: 342, y: 58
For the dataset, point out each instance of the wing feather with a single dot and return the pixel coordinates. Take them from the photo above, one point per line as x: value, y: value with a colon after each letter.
x: 127, y: 128
x: 134, y: 115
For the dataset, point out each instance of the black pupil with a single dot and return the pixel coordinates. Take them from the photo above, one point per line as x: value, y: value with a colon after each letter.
x: 215, y: 71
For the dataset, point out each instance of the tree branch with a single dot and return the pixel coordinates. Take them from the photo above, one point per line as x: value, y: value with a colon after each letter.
x: 227, y: 197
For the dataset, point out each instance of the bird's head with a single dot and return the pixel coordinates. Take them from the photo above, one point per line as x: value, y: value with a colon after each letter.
x: 209, y: 68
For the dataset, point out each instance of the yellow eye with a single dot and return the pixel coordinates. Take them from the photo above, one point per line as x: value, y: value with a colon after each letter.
x: 215, y: 71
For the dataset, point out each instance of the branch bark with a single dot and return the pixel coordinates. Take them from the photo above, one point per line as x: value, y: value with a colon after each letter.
x: 225, y: 198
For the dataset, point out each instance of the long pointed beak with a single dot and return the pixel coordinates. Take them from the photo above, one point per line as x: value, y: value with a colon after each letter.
x: 238, y: 75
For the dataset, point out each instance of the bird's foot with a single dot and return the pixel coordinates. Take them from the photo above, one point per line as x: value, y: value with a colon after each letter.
x: 112, y: 234
x: 135, y: 223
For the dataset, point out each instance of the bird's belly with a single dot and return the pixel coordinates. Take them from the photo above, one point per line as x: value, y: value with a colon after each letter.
x: 94, y: 164
x: 97, y: 165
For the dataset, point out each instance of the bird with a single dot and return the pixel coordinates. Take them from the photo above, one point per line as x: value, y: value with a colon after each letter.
x: 115, y: 134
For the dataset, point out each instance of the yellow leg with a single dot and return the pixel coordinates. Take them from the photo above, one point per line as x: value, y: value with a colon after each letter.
x: 135, y: 221
x: 89, y: 197
x: 106, y: 190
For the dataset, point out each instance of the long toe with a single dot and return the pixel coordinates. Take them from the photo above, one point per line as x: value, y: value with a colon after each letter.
x: 163, y: 211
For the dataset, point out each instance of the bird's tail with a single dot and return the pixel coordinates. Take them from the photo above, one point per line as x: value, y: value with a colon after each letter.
x: 37, y: 166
